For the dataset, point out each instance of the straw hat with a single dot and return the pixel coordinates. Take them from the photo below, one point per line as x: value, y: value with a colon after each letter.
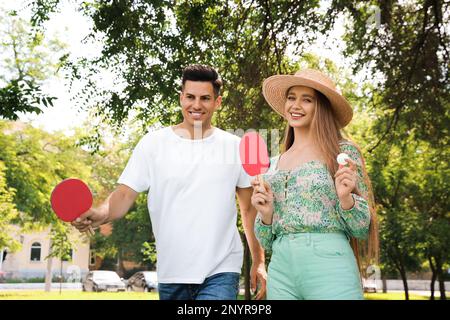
x: 276, y: 87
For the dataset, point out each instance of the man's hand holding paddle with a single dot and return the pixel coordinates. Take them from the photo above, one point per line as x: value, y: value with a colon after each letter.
x: 93, y: 218
x: 72, y: 200
x: 114, y: 207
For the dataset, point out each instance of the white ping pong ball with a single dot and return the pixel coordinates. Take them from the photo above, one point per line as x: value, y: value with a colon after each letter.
x: 342, y: 157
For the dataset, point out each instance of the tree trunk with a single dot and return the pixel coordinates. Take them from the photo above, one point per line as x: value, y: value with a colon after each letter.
x: 441, y: 285
x: 48, y: 274
x: 405, y: 281
x: 1, y: 259
x: 398, y: 262
x: 440, y: 277
x: 384, y: 284
x: 120, y: 266
x: 60, y: 275
x: 433, y: 277
x: 405, y: 286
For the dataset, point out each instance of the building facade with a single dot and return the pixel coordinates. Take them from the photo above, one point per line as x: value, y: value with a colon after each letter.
x: 31, y: 260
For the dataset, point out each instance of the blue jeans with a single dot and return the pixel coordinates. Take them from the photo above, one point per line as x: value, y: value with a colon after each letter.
x: 220, y: 286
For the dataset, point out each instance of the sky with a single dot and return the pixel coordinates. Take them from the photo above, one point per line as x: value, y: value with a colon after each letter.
x: 70, y: 27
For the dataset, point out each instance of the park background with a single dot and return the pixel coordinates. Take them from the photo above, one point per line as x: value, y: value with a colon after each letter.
x: 82, y: 81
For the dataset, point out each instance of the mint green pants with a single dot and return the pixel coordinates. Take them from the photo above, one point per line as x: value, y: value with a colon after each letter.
x: 313, y: 266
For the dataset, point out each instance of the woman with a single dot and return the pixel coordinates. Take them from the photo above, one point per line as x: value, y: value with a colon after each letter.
x: 311, y: 211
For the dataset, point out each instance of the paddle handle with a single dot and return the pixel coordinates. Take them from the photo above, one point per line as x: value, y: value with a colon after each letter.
x: 261, y: 180
x: 90, y: 232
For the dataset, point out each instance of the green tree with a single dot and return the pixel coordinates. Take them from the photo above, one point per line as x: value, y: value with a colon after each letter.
x: 412, y: 194
x: 8, y: 213
x: 403, y: 46
x: 403, y: 49
x: 246, y: 41
x: 429, y: 198
x: 131, y: 233
x: 35, y: 162
x: 29, y: 60
x: 60, y: 247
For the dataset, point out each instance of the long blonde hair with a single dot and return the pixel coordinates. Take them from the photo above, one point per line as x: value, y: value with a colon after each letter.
x: 327, y: 135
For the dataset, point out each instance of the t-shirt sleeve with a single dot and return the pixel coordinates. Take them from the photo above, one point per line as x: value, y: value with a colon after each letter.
x: 136, y: 174
x: 244, y: 180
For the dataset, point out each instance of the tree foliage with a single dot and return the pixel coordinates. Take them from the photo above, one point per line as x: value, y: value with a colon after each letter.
x: 404, y: 45
x: 8, y: 212
x: 29, y: 60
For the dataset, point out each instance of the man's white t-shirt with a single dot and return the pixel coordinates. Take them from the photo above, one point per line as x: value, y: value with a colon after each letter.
x: 191, y: 200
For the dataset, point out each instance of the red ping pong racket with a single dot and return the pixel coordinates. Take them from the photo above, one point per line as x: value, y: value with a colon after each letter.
x: 254, y: 155
x: 70, y: 199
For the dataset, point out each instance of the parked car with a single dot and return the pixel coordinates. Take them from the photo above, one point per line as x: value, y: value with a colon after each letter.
x: 145, y: 281
x: 100, y: 280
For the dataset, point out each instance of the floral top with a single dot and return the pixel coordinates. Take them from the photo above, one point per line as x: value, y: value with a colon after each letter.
x: 305, y: 200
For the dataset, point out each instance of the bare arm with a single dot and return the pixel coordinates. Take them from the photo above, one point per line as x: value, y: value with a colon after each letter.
x: 114, y: 207
x: 119, y: 202
x: 248, y: 213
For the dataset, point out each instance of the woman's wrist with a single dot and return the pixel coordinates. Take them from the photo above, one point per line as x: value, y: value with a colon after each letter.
x: 347, y: 202
x: 266, y: 219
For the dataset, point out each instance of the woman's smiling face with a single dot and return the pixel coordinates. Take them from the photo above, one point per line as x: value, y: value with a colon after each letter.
x: 300, y: 106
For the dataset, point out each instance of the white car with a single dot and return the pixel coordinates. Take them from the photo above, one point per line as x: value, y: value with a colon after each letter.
x: 100, y: 280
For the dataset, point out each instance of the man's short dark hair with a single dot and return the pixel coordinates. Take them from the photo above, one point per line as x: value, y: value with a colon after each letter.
x: 199, y: 72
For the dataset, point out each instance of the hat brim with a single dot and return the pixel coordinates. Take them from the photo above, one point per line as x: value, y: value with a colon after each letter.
x: 275, y: 88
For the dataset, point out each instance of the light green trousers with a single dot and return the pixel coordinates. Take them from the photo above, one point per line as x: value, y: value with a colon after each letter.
x: 313, y: 266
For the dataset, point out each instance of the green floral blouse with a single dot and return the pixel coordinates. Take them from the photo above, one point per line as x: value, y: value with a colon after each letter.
x: 305, y: 200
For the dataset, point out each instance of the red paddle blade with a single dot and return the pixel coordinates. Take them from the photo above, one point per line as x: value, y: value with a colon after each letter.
x: 254, y: 155
x: 70, y: 199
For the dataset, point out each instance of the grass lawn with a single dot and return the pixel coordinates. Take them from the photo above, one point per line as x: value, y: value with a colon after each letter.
x: 75, y: 295
x: 393, y: 296
x: 78, y: 295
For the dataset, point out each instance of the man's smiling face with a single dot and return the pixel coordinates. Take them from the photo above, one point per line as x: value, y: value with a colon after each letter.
x: 198, y: 102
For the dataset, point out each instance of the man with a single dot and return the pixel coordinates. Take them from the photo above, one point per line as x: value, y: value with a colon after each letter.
x: 193, y: 174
